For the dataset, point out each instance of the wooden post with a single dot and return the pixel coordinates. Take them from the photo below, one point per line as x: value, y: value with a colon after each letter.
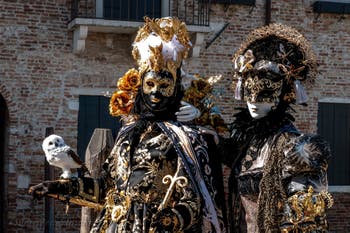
x: 49, y: 202
x: 100, y: 145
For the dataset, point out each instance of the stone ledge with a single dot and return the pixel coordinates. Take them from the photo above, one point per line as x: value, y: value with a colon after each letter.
x: 82, y: 26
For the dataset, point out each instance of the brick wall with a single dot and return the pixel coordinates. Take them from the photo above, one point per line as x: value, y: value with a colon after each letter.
x: 338, y: 215
x: 39, y: 75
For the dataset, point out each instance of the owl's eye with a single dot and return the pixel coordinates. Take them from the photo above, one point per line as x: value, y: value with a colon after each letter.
x: 50, y: 143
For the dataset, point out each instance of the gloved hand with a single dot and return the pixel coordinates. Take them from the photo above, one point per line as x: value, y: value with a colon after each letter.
x: 63, y: 187
x: 187, y: 112
x: 204, y: 130
x: 165, y: 221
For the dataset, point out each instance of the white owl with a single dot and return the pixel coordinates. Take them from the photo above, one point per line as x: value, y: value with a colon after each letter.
x: 60, y: 155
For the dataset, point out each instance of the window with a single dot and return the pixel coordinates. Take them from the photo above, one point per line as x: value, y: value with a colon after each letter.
x: 133, y: 10
x: 243, y: 2
x: 334, y: 126
x: 334, y: 6
x: 93, y: 113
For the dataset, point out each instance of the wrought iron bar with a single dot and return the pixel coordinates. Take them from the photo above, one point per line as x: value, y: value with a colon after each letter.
x: 193, y: 12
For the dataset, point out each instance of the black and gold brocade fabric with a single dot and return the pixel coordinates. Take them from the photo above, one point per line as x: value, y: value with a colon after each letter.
x: 139, y: 179
x: 272, y: 167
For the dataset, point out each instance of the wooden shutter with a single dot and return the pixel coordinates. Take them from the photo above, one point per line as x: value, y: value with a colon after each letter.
x: 334, y: 126
x: 93, y: 113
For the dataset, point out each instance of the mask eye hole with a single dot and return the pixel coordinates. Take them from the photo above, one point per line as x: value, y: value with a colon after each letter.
x: 265, y: 94
x: 50, y: 143
x: 150, y: 83
x: 164, y: 85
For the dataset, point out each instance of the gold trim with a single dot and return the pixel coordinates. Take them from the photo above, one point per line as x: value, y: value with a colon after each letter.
x: 77, y: 201
x: 306, y: 211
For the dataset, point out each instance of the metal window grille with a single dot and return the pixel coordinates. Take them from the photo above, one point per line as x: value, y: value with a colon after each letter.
x: 193, y: 12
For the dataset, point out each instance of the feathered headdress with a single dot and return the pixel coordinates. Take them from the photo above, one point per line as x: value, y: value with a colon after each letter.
x: 281, y: 50
x: 161, y: 44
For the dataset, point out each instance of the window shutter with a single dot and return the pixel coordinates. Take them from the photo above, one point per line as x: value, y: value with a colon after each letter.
x: 93, y: 113
x: 334, y: 126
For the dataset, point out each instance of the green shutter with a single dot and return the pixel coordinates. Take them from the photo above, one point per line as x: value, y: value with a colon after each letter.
x: 93, y: 113
x: 334, y: 126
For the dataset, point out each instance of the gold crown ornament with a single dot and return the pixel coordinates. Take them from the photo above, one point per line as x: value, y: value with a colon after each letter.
x: 161, y: 44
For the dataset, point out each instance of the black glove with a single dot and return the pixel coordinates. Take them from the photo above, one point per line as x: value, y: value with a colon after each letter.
x: 165, y: 221
x: 63, y: 187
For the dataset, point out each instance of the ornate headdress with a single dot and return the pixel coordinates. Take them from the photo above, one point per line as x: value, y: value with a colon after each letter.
x: 160, y: 45
x: 278, y: 50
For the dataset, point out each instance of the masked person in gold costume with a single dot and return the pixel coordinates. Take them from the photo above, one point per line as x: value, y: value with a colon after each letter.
x: 159, y: 176
x: 278, y: 179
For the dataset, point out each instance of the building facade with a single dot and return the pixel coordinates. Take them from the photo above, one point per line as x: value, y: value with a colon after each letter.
x: 58, y: 60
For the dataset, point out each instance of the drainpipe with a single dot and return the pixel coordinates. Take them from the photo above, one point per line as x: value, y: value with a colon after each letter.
x: 267, y: 12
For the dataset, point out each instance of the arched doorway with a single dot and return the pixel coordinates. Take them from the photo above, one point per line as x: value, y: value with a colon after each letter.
x: 4, y: 122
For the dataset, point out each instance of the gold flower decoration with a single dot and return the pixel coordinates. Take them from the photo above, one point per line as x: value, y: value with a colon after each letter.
x: 130, y: 81
x: 123, y: 98
x: 120, y: 103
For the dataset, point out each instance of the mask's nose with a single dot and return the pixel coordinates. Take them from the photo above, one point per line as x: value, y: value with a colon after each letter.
x: 154, y: 89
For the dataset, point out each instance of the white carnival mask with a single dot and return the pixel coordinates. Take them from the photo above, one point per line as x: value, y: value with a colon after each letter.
x: 259, y: 109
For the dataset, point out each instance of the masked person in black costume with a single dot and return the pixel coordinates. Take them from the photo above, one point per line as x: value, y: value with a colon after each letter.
x: 159, y: 176
x: 278, y: 180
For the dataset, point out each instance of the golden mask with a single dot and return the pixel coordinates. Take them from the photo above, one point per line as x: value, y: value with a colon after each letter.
x: 153, y: 82
x: 262, y: 90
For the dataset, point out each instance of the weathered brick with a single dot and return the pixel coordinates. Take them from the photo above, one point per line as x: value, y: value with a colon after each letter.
x: 38, y: 72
